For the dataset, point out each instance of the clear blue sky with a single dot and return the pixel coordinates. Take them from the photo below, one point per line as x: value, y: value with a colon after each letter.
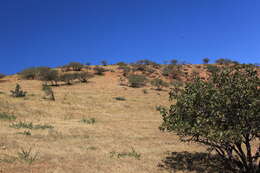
x: 55, y: 32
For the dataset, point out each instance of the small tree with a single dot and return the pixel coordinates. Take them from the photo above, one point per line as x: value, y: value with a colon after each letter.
x: 99, y: 70
x: 222, y: 113
x: 68, y: 78
x: 2, y: 75
x: 84, y: 76
x: 49, y: 94
x: 76, y: 66
x: 18, y: 92
x: 104, y: 63
x: 159, y: 83
x: 206, y: 60
x: 50, y: 75
x: 136, y: 81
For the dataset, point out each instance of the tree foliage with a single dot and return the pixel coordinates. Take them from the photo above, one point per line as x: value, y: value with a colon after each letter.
x: 222, y: 113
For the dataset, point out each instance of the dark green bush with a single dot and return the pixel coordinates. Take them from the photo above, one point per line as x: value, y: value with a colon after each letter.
x: 120, y: 98
x: 136, y: 80
x: 206, y: 60
x: 18, y: 92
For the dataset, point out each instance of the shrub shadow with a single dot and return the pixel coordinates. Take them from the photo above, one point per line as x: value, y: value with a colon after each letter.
x: 196, y: 162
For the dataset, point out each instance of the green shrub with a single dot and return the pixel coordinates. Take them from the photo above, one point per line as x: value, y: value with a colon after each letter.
x: 222, y: 114
x: 120, y: 98
x: 18, y: 92
x: 159, y: 83
x: 99, y: 70
x: 136, y: 80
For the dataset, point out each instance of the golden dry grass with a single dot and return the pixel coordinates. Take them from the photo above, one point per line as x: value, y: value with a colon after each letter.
x: 75, y: 147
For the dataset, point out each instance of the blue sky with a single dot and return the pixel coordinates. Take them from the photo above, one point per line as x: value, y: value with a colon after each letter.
x: 55, y: 32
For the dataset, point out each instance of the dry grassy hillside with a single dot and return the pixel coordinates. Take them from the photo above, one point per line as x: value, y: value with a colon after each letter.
x: 86, y: 129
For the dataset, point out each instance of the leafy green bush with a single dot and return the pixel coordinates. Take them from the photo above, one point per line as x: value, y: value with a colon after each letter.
x: 18, y: 92
x: 27, y: 155
x: 99, y: 70
x: 221, y: 113
x: 136, y: 81
x: 159, y: 83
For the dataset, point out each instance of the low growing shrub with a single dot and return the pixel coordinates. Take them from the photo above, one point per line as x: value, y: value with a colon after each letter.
x: 18, y: 92
x: 136, y: 81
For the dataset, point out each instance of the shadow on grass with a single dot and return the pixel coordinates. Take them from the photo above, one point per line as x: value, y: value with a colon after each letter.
x: 195, y: 162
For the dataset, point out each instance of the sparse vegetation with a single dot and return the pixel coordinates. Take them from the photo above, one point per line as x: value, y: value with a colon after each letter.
x: 88, y: 120
x: 6, y: 116
x: 27, y: 155
x: 29, y: 125
x: 132, y: 153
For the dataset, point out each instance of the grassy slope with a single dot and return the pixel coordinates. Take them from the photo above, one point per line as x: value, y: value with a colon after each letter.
x: 77, y: 147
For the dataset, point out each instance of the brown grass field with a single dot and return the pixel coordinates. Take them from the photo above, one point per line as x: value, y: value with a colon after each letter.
x: 75, y: 147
